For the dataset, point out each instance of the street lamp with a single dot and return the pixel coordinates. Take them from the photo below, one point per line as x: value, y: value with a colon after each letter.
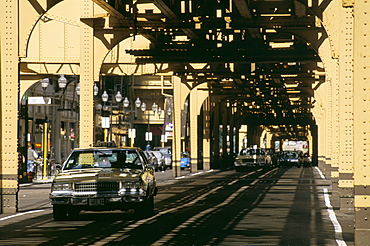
x: 118, y: 97
x: 105, y: 96
x: 45, y: 83
x: 105, y: 120
x: 78, y: 89
x: 131, y: 131
x: 62, y: 82
x: 96, y: 90
x: 126, y: 102
x: 148, y: 134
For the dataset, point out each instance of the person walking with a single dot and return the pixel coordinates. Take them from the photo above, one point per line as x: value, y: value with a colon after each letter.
x: 31, y: 158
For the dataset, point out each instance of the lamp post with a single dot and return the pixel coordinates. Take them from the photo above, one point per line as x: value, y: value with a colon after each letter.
x: 106, y: 121
x: 44, y: 85
x: 130, y: 130
x: 149, y: 134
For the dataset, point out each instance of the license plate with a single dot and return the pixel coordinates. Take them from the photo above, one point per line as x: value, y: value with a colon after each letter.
x: 96, y: 202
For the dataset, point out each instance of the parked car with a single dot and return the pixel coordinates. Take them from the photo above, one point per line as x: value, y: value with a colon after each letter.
x: 152, y: 160
x: 251, y: 157
x: 161, y: 160
x: 103, y: 179
x: 289, y: 158
x: 185, y: 160
x: 167, y: 152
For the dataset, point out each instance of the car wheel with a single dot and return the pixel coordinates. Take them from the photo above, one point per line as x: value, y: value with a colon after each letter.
x: 60, y: 212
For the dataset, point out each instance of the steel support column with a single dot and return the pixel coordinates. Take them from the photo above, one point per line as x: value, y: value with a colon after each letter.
x: 9, y: 87
x: 86, y: 114
x: 197, y: 97
x: 206, y: 134
x: 178, y: 104
x: 216, y: 108
x: 361, y: 146
x: 345, y: 185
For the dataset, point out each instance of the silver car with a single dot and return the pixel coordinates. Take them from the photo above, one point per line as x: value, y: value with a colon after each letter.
x: 161, y: 160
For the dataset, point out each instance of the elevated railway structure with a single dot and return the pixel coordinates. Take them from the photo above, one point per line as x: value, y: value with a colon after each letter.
x: 225, y: 73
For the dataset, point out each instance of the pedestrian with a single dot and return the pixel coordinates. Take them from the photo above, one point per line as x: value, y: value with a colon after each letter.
x: 31, y: 158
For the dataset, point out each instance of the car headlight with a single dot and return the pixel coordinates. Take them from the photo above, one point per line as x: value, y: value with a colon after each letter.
x: 131, y: 185
x: 62, y: 186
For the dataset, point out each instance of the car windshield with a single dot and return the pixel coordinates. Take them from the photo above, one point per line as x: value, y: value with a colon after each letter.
x: 290, y: 154
x: 164, y: 151
x: 101, y: 158
x: 252, y: 152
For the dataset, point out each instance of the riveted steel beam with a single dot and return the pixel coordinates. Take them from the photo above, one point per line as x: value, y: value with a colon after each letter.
x: 361, y: 105
x: 86, y: 76
x: 345, y: 186
x: 8, y: 106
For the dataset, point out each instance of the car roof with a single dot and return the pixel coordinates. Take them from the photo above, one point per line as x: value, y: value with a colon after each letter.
x: 108, y: 148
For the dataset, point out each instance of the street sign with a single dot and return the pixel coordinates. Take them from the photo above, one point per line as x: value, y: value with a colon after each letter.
x: 39, y: 100
x: 105, y: 122
x: 132, y: 133
x: 164, y: 138
x: 148, y: 136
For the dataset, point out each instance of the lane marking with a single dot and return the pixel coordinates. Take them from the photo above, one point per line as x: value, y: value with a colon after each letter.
x: 332, y: 216
x: 334, y: 221
x: 20, y: 214
x: 320, y: 173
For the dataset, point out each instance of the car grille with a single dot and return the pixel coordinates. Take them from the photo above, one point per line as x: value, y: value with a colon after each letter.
x: 97, y: 186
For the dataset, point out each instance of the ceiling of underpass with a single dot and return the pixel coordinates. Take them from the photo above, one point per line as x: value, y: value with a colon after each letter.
x: 261, y: 55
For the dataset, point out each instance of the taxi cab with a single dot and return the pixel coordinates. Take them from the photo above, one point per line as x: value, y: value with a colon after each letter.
x: 103, y: 179
x: 251, y: 157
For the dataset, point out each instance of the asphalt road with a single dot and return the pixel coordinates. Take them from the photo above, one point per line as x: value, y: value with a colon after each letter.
x: 286, y: 206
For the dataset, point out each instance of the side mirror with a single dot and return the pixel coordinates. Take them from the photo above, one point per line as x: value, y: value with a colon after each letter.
x: 150, y: 169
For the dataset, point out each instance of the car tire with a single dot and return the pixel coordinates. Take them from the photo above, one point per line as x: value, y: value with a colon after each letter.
x: 60, y: 212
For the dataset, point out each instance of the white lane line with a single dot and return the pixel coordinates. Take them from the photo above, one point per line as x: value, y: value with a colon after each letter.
x: 334, y: 221
x: 332, y: 216
x: 20, y: 214
x: 319, y: 171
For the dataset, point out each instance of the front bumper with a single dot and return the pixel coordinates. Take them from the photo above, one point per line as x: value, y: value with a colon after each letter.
x: 96, y: 199
x: 249, y: 164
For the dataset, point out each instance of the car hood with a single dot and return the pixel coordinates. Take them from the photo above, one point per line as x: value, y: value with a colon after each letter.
x: 94, y: 174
